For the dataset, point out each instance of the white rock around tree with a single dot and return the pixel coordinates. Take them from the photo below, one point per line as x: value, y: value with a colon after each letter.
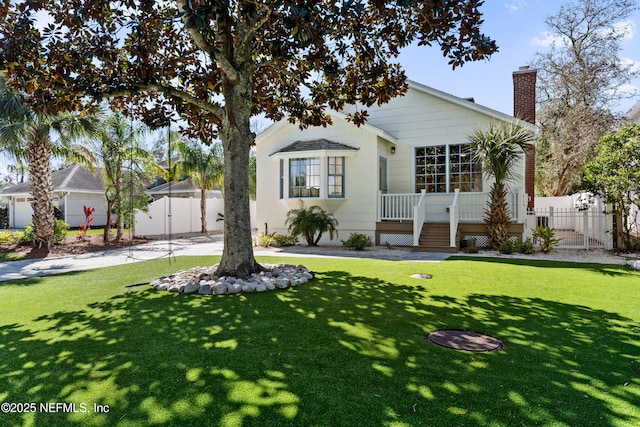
x: 203, y: 281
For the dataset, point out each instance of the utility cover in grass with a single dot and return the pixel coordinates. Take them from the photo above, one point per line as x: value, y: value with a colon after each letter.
x: 465, y: 340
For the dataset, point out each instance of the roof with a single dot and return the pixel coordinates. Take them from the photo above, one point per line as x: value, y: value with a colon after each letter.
x: 314, y: 144
x: 72, y: 179
x: 634, y: 113
x: 369, y: 127
x: 462, y: 102
x: 184, y: 186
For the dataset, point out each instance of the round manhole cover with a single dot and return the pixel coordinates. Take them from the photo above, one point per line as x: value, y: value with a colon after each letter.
x: 465, y: 340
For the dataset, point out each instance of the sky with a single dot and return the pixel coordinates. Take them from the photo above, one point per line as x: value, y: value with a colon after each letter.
x: 519, y: 30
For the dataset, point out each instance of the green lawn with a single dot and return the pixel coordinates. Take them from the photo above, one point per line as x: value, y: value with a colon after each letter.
x: 346, y: 349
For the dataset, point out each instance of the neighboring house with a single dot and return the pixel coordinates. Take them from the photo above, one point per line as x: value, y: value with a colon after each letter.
x: 73, y: 188
x: 633, y: 114
x: 180, y: 189
x: 397, y: 176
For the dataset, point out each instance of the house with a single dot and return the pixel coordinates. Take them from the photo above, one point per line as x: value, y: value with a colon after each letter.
x: 73, y: 188
x: 180, y: 189
x: 633, y: 115
x: 405, y: 177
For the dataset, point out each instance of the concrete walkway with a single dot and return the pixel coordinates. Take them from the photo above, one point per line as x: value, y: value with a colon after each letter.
x: 191, y: 246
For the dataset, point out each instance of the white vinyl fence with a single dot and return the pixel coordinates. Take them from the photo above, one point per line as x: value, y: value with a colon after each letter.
x: 579, y: 223
x: 181, y: 216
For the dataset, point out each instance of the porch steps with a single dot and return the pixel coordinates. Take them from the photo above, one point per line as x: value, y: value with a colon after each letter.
x: 435, y: 238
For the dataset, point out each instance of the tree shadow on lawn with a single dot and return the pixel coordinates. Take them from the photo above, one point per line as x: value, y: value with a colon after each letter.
x: 340, y: 350
x: 605, y: 269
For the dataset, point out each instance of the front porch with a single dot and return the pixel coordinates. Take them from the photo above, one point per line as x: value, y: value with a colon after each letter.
x: 438, y: 222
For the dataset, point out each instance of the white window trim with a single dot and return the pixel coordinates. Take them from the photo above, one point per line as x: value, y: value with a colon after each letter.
x: 323, y: 155
x: 448, y: 169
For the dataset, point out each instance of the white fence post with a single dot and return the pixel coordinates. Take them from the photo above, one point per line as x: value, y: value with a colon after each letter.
x: 585, y: 218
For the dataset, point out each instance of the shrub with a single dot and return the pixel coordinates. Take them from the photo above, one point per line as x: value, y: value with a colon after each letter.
x: 60, y: 229
x: 471, y: 250
x: 311, y: 223
x: 282, y: 240
x: 357, y: 241
x: 266, y: 239
x: 527, y: 247
x: 9, y: 237
x: 545, y: 237
x: 84, y: 228
x: 277, y: 240
x: 26, y: 237
x: 4, y: 217
x: 507, y: 247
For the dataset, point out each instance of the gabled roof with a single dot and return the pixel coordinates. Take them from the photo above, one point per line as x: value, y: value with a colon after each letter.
x: 314, y: 144
x: 184, y: 186
x: 72, y: 179
x: 284, y: 122
x: 634, y: 113
x: 467, y: 103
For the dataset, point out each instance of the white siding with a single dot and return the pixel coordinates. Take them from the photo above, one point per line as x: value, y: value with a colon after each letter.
x: 356, y: 212
x: 416, y: 119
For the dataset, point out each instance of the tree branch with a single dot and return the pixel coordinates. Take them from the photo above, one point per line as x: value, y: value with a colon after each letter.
x: 199, y: 40
x: 211, y: 107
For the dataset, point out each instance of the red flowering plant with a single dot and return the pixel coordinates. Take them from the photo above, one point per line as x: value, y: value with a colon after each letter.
x: 88, y: 211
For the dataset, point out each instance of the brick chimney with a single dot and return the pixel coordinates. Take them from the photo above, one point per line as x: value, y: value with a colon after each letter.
x: 524, y: 108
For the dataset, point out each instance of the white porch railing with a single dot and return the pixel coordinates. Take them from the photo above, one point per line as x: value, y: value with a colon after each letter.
x: 397, y: 207
x: 454, y: 218
x: 465, y: 207
x: 419, y: 215
x: 473, y: 205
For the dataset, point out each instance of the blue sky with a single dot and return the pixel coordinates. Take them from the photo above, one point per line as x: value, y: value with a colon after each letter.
x: 519, y: 30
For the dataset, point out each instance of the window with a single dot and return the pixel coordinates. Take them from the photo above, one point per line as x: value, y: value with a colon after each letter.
x: 335, y: 177
x: 443, y: 168
x: 304, y: 177
x: 431, y: 169
x: 464, y: 173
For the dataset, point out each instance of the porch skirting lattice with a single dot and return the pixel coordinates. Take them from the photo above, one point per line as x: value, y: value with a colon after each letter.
x: 396, y: 239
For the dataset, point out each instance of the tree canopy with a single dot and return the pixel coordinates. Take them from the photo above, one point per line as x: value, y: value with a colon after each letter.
x: 614, y: 174
x: 217, y: 63
x: 581, y: 79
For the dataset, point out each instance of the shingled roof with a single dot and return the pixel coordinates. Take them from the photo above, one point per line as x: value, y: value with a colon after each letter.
x: 74, y: 178
x: 313, y: 145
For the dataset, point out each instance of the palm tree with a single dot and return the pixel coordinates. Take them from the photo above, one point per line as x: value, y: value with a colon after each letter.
x: 498, y: 149
x: 125, y: 162
x: 309, y: 221
x: 36, y: 138
x: 204, y: 167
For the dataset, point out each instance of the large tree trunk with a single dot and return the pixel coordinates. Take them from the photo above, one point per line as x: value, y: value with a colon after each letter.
x: 236, y: 136
x: 39, y: 155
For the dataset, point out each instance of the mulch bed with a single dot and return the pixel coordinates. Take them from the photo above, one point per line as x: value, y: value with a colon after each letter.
x: 72, y: 246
